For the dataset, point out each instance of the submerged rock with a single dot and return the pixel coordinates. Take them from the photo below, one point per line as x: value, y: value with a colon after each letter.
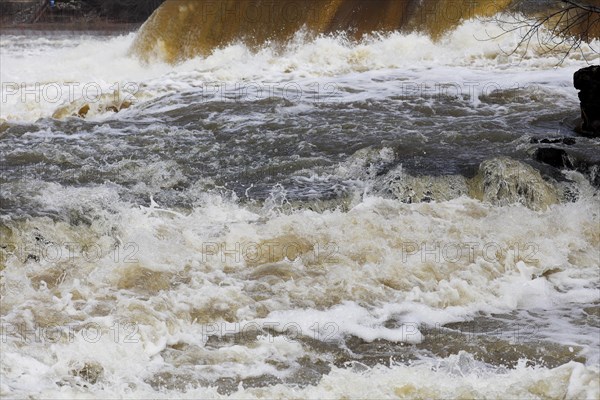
x: 503, y: 181
x: 587, y: 81
x: 553, y: 156
x: 82, y: 109
x: 569, y: 141
x: 387, y: 177
x: 90, y: 372
x: 586, y: 163
x: 500, y: 181
x: 417, y: 189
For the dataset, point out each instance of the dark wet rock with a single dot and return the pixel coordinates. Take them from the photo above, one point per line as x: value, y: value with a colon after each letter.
x: 587, y: 164
x: 587, y: 81
x: 591, y: 169
x: 570, y: 193
x: 553, y: 156
x: 569, y: 141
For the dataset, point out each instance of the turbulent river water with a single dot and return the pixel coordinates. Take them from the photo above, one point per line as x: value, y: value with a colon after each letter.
x: 312, y: 221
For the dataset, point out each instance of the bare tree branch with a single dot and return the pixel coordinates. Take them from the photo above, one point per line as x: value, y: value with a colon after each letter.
x: 563, y: 28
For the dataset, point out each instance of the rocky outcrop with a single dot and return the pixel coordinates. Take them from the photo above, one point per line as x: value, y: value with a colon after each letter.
x: 81, y: 108
x: 587, y: 81
x: 561, y: 154
x: 504, y: 181
x: 500, y: 181
x: 557, y: 158
x: 383, y: 169
x: 417, y: 189
x: 569, y: 141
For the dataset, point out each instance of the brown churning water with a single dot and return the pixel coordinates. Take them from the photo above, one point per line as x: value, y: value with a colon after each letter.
x: 280, y: 212
x: 182, y: 29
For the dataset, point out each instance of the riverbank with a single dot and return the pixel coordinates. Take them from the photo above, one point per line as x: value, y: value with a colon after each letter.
x: 69, y: 16
x: 50, y: 28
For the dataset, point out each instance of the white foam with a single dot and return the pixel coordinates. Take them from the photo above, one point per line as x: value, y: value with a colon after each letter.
x: 354, y: 272
x: 404, y: 60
